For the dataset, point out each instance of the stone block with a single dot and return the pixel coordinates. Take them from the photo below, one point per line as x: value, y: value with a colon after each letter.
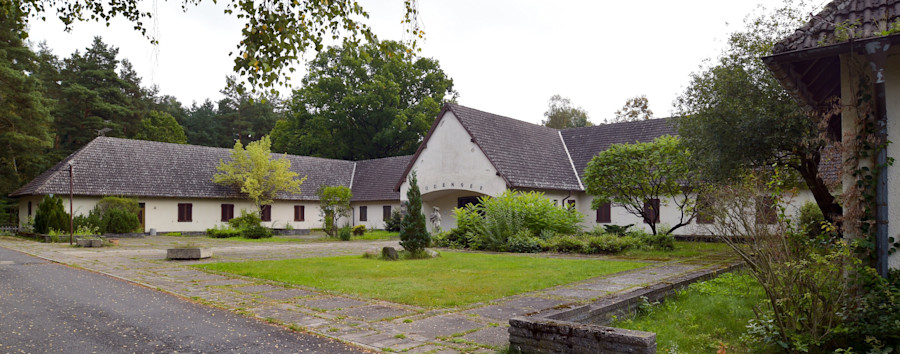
x: 188, y: 253
x: 390, y: 253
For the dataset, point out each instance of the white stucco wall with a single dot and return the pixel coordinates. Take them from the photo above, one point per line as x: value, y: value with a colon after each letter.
x: 375, y: 213
x: 452, y: 166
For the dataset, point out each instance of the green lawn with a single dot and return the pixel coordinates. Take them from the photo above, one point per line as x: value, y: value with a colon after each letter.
x: 368, y: 236
x: 704, y: 317
x: 683, y: 249
x: 454, y: 279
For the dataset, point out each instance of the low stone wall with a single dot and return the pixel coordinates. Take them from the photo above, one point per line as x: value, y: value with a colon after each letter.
x: 580, y: 330
x: 543, y: 335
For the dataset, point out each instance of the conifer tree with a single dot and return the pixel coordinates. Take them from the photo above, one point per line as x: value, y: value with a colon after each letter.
x: 413, y: 235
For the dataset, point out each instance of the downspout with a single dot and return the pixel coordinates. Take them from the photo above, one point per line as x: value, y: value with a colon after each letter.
x: 564, y: 199
x: 877, y: 53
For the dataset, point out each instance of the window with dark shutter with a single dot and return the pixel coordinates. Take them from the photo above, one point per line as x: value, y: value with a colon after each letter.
x: 571, y: 204
x: 29, y: 208
x: 386, y: 213
x: 266, y: 213
x: 604, y: 214
x: 299, y: 212
x: 185, y: 212
x: 362, y: 213
x: 651, y: 211
x: 704, y: 210
x: 227, y: 212
x: 765, y: 210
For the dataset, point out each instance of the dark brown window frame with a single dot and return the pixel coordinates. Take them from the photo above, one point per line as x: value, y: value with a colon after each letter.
x: 299, y: 213
x: 185, y: 212
x: 363, y: 213
x: 227, y: 212
x: 265, y: 213
x: 386, y: 212
x: 651, y: 211
x: 604, y: 214
x: 765, y: 210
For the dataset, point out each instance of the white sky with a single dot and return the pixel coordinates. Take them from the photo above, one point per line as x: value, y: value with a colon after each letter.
x: 505, y: 57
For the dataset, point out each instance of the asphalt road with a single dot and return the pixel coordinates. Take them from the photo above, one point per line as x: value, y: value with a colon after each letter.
x: 47, y: 307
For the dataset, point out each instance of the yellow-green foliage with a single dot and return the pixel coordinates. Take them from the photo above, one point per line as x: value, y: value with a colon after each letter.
x: 257, y: 174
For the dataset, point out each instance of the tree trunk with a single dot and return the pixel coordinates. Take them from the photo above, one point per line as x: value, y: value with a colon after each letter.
x: 809, y: 170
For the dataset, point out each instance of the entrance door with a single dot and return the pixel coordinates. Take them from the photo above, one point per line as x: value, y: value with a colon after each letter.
x: 463, y: 201
x: 141, y: 215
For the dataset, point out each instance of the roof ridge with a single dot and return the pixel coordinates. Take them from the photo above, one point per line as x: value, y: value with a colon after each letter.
x: 571, y: 163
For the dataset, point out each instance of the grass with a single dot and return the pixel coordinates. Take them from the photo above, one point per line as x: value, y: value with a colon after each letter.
x: 704, y: 318
x: 377, y: 235
x: 683, y: 249
x: 368, y: 236
x: 454, y: 279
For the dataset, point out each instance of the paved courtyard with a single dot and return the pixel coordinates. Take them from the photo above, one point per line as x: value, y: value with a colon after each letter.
x: 368, y: 323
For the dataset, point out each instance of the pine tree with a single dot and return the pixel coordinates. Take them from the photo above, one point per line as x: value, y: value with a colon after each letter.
x: 413, y: 235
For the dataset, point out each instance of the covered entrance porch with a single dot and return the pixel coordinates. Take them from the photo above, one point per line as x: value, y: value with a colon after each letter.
x: 446, y: 200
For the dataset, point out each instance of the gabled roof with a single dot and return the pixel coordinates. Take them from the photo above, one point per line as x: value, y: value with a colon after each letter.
x: 584, y: 143
x: 375, y: 179
x: 865, y: 17
x: 113, y: 166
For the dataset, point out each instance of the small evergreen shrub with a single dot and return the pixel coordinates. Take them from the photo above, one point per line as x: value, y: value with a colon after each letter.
x: 566, y: 244
x: 616, y: 229
x: 523, y: 242
x: 50, y: 215
x: 344, y: 233
x: 246, y: 220
x: 119, y: 221
x: 610, y: 243
x: 810, y: 219
x: 256, y: 232
x: 223, y: 232
x: 393, y: 224
x: 359, y: 230
x: 414, y: 236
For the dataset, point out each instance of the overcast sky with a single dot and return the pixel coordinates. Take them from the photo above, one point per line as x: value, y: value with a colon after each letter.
x: 505, y: 57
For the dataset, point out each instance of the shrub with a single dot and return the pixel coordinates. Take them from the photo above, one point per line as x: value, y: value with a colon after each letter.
x: 127, y: 204
x: 617, y: 230
x: 414, y: 236
x: 810, y: 219
x: 610, y: 243
x: 246, y: 220
x: 659, y: 241
x: 393, y: 223
x: 359, y: 230
x: 565, y: 244
x: 256, y: 232
x: 50, y: 215
x: 119, y: 221
x: 523, y: 242
x: 344, y: 233
x: 223, y: 232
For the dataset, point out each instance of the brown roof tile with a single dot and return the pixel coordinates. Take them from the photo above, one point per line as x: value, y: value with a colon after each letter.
x: 584, y: 143
x: 375, y: 179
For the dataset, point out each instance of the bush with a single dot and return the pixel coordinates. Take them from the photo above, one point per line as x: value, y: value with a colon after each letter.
x: 810, y: 219
x: 119, y: 221
x: 658, y: 242
x: 565, y: 244
x: 616, y: 229
x: 610, y: 243
x: 129, y: 205
x: 224, y: 232
x: 414, y: 236
x: 359, y: 230
x: 256, y: 232
x: 523, y: 242
x: 393, y: 224
x: 50, y: 215
x: 344, y: 233
x: 876, y: 319
x: 246, y: 220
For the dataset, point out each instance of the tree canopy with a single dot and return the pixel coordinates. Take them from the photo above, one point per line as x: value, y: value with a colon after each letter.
x: 630, y: 175
x: 334, y: 202
x: 635, y: 108
x: 161, y: 126
x: 362, y: 102
x: 735, y: 116
x: 255, y: 173
x: 562, y: 114
x: 275, y: 34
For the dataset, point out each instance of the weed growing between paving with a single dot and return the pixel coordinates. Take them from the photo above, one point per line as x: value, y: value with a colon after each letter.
x: 705, y: 317
x: 454, y: 279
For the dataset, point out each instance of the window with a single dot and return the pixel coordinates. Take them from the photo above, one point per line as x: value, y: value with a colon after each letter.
x: 704, y: 206
x: 571, y: 204
x: 141, y: 208
x: 227, y: 212
x: 765, y: 210
x: 185, y: 212
x: 29, y: 208
x: 604, y: 214
x: 299, y: 212
x: 386, y: 212
x: 651, y: 211
x: 556, y: 202
x: 363, y: 211
x: 266, y: 213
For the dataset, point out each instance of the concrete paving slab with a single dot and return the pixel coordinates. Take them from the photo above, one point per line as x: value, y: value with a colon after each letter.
x: 428, y: 348
x: 288, y: 294
x: 439, y: 326
x: 501, y: 313
x: 534, y: 302
x: 329, y: 303
x: 224, y: 282
x: 375, y: 312
x: 256, y: 288
x: 604, y: 285
x: 581, y: 294
x: 493, y: 336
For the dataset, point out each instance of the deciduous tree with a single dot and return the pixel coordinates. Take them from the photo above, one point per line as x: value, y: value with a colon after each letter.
x: 630, y: 175
x: 161, y: 126
x: 257, y: 174
x: 334, y: 202
x: 635, y: 109
x: 562, y: 114
x: 362, y: 102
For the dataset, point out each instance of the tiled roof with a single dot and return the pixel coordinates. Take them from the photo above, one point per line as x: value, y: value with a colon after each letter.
x: 584, y: 143
x: 113, y: 166
x: 869, y: 17
x: 375, y: 179
x: 526, y: 155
